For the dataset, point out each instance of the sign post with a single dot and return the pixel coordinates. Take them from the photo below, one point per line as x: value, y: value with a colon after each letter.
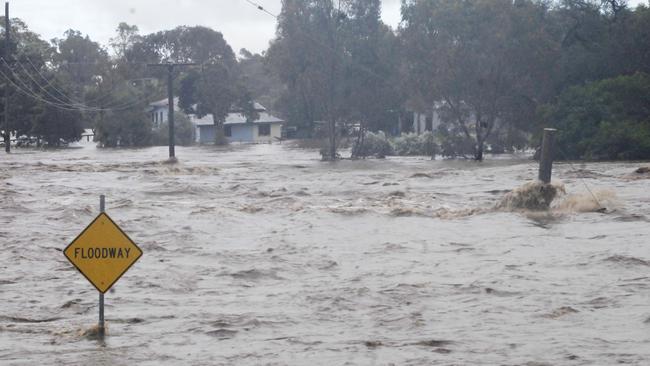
x: 100, y: 328
x: 102, y: 253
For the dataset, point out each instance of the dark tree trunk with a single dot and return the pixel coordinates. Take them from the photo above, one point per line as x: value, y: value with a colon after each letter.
x: 478, y: 155
x: 332, y: 139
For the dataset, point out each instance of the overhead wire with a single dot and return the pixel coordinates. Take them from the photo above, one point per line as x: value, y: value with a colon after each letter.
x: 34, y: 96
x: 57, y: 102
x: 48, y: 83
x: 43, y: 88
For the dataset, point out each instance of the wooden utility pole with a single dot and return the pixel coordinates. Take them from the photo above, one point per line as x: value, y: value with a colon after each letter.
x: 7, y: 57
x: 170, y: 97
x: 548, y: 152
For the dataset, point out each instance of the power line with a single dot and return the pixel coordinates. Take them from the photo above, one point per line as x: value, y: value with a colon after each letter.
x: 34, y: 96
x: 44, y: 89
x: 75, y: 102
x: 48, y: 83
x: 261, y: 8
x: 26, y: 90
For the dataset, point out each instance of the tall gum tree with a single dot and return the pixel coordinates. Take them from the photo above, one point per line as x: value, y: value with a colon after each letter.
x: 477, y: 59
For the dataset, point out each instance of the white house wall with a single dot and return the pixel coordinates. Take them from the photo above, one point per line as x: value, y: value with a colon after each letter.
x: 276, y: 133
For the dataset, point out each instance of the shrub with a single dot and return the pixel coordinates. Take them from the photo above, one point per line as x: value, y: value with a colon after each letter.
x: 412, y: 144
x: 373, y: 144
x: 183, y: 131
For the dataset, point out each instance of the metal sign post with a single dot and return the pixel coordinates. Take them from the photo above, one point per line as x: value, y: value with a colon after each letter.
x: 101, y: 330
x: 102, y: 253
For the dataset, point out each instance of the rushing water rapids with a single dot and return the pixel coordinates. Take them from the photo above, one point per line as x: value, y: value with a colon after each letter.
x: 265, y: 255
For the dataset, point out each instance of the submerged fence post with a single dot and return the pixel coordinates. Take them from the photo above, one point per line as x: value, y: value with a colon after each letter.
x: 546, y: 158
x: 100, y: 327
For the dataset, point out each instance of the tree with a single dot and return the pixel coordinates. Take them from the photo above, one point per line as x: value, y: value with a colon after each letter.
x: 79, y: 60
x: 183, y: 131
x: 213, y: 88
x: 371, y: 83
x: 56, y: 126
x: 259, y: 79
x: 216, y: 90
x: 127, y: 36
x: 607, y: 119
x: 36, y: 105
x: 480, y: 59
x: 307, y: 54
x: 124, y: 128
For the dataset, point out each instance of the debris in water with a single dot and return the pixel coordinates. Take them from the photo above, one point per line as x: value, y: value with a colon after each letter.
x: 222, y: 333
x: 93, y: 332
x: 597, y: 201
x: 534, y: 196
x: 251, y: 209
x: 171, y: 161
x: 373, y: 344
x: 433, y: 343
x: 15, y: 319
x: 421, y: 175
x: 442, y: 350
x: 628, y: 261
x: 560, y: 312
x: 643, y: 170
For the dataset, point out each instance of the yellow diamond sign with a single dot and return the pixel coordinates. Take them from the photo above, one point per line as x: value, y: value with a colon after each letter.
x: 102, y: 252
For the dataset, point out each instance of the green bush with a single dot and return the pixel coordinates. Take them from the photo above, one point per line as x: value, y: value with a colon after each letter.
x: 128, y: 128
x: 411, y: 144
x: 454, y: 144
x: 183, y: 131
x: 373, y: 144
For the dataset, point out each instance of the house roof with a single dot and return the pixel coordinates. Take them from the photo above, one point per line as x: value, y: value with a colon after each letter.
x: 235, y: 119
x: 163, y: 103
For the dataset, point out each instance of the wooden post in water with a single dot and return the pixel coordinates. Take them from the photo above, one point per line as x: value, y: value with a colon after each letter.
x: 100, y: 327
x: 546, y: 158
x: 6, y: 59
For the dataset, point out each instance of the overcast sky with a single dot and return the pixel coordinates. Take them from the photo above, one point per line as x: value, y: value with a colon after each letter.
x: 242, y: 25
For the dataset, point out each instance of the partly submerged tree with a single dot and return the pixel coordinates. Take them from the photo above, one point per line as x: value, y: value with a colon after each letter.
x: 479, y: 59
x: 371, y: 84
x: 307, y: 54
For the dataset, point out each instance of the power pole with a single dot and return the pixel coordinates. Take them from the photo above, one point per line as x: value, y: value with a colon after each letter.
x: 170, y: 96
x: 7, y: 56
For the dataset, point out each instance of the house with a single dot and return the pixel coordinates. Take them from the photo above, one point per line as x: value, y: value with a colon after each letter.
x: 238, y: 128
x: 159, y: 111
x: 420, y: 121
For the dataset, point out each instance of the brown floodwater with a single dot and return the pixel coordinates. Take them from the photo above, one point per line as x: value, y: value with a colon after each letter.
x: 265, y: 255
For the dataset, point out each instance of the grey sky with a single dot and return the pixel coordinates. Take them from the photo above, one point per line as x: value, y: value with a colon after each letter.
x: 242, y: 25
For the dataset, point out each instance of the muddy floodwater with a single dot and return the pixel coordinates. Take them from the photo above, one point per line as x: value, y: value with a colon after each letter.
x: 264, y: 255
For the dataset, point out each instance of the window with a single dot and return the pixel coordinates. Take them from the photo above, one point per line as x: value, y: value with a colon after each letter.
x: 227, y: 130
x: 264, y: 130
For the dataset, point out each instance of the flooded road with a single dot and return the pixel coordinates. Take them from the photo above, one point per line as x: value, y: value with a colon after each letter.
x: 265, y: 255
